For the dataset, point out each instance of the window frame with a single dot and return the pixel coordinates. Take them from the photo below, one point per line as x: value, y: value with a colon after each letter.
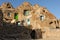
x: 42, y: 17
x: 9, y: 14
x: 26, y: 12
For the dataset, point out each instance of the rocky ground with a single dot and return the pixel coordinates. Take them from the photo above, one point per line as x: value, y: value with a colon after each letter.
x: 15, y: 32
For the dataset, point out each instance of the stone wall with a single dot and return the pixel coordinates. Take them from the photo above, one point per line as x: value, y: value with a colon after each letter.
x: 20, y: 9
x: 8, y: 12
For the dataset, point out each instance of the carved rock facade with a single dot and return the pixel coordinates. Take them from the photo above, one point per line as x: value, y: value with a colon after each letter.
x: 32, y: 17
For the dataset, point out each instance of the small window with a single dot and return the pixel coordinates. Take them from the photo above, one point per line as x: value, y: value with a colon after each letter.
x: 42, y: 17
x: 16, y: 16
x: 8, y: 6
x: 55, y: 22
x: 26, y: 12
x: 28, y: 21
x: 50, y: 22
x: 43, y: 10
x: 9, y: 14
x: 18, y: 23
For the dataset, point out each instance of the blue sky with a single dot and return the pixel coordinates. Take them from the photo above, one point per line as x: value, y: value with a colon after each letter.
x: 52, y: 5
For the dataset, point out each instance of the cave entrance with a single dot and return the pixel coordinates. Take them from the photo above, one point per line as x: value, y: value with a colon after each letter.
x: 33, y: 34
x: 36, y: 34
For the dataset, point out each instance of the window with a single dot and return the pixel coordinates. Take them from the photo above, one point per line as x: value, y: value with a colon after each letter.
x: 43, y: 10
x: 16, y: 16
x: 9, y: 14
x: 18, y: 23
x: 42, y: 17
x: 50, y: 22
x: 8, y: 5
x: 26, y: 13
x: 55, y: 22
x: 28, y: 21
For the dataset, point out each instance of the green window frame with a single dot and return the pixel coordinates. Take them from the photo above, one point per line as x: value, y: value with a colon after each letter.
x: 16, y: 16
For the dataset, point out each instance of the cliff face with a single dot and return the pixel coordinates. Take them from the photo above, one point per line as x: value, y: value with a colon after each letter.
x: 38, y: 16
x: 31, y: 15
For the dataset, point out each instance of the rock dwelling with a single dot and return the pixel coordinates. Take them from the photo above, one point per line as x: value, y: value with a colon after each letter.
x: 32, y: 17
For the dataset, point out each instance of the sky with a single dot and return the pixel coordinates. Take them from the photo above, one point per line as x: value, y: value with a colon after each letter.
x: 52, y: 5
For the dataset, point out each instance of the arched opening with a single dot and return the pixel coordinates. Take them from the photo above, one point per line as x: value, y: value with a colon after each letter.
x: 33, y: 34
x: 36, y: 34
x: 28, y: 22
